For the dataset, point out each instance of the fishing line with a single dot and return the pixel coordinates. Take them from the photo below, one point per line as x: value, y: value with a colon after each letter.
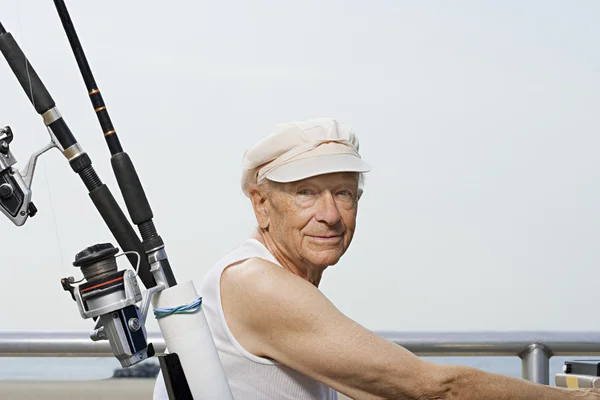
x: 64, y: 268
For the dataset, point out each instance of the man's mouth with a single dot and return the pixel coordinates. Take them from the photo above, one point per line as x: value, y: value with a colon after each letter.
x: 327, y: 238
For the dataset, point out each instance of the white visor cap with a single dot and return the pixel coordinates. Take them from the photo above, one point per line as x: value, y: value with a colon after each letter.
x: 300, y: 150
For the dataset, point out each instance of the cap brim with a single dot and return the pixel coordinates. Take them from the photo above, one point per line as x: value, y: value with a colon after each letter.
x: 308, y: 167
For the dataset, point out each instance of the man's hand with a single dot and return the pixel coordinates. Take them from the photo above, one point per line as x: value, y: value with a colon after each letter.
x: 277, y: 315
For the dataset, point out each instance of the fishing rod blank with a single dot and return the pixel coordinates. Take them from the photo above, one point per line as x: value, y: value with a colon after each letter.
x: 78, y: 159
x: 125, y: 173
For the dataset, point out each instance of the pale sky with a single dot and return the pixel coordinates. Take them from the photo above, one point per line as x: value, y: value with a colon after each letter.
x: 479, y: 118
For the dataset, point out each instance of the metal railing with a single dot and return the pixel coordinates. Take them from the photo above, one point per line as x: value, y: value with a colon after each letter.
x: 534, y: 348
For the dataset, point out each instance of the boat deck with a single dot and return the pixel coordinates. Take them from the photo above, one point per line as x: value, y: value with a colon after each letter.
x: 109, y: 389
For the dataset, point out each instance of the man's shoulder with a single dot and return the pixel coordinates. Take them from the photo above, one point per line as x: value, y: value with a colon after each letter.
x: 257, y: 275
x: 241, y: 253
x: 257, y: 291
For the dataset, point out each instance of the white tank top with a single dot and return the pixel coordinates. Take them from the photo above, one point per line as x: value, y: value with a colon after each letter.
x: 250, y: 377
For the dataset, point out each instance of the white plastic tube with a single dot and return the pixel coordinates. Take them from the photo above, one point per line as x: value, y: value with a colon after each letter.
x: 189, y: 336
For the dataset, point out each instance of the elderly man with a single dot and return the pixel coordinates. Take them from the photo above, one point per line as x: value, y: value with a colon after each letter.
x: 277, y: 335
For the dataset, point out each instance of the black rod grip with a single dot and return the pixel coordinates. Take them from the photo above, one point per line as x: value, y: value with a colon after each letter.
x: 62, y: 132
x: 131, y: 188
x: 26, y: 75
x: 122, y: 231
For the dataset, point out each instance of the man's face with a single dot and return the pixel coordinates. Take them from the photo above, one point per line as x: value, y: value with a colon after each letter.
x: 313, y: 220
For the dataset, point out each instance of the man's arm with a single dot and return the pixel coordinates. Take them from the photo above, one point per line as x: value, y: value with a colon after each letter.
x: 275, y: 314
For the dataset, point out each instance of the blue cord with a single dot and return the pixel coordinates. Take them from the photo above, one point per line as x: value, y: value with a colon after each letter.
x: 185, y: 309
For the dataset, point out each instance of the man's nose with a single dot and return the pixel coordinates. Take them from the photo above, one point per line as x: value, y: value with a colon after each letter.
x: 327, y: 209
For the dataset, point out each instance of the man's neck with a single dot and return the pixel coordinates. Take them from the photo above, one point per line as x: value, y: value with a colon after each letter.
x: 310, y: 273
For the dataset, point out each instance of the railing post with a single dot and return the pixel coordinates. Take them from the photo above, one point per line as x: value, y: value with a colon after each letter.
x: 536, y: 363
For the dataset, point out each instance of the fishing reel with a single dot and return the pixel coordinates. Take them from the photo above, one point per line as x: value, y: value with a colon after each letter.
x: 110, y: 297
x: 15, y: 186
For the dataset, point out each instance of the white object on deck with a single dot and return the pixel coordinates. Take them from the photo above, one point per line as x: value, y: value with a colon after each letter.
x: 189, y: 336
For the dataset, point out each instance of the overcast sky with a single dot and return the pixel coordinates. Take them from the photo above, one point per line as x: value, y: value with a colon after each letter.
x: 480, y: 120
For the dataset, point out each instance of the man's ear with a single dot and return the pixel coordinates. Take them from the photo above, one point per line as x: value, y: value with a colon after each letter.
x: 260, y: 204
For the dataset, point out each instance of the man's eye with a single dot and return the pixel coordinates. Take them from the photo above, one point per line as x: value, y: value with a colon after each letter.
x: 345, y: 193
x: 305, y: 192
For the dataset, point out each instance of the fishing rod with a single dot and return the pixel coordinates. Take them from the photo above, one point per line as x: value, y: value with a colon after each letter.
x: 15, y: 200
x: 133, y: 193
x: 106, y: 294
x: 17, y: 195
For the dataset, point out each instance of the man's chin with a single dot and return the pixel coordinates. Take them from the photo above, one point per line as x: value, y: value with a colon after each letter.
x: 326, y: 258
